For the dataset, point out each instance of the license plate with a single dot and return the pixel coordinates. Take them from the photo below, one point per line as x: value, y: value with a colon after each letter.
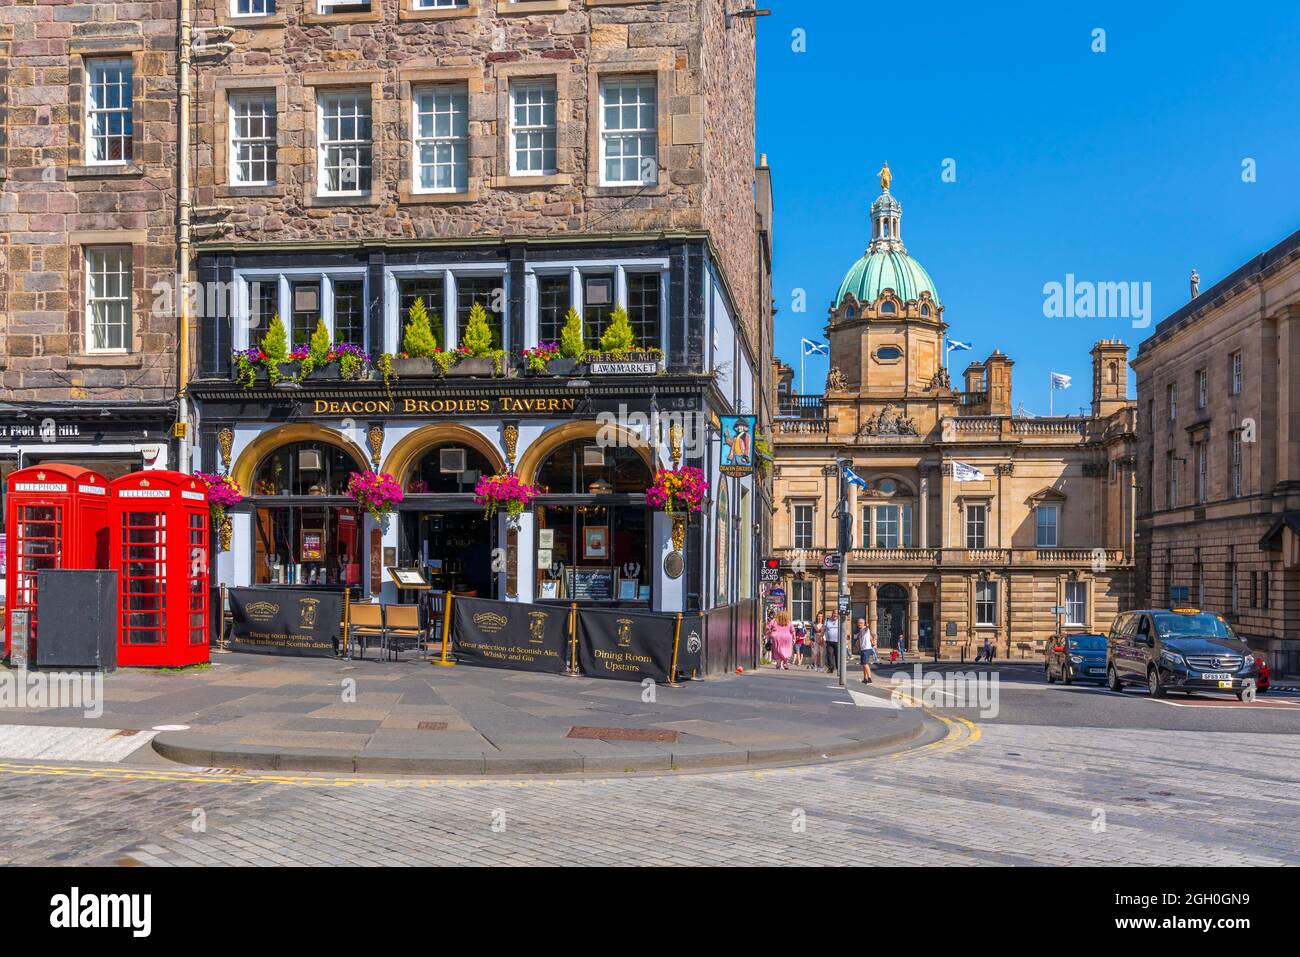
x: 1225, y: 684
x: 1096, y: 671
x: 1217, y: 676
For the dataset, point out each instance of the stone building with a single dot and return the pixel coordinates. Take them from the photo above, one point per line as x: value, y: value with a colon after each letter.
x: 1218, y: 385
x: 527, y: 157
x: 87, y: 233
x: 972, y: 521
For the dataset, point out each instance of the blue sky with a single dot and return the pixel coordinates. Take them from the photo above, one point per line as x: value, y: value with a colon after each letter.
x: 1120, y: 166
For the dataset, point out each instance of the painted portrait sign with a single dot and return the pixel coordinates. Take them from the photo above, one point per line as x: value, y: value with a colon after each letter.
x: 737, y: 444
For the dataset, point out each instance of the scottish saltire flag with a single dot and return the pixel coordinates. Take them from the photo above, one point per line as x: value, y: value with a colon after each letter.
x: 811, y: 348
x: 954, y: 344
x: 1060, y: 381
x: 961, y: 472
x: 854, y: 478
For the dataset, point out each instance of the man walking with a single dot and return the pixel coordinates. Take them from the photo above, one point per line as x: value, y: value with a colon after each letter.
x: 833, y: 644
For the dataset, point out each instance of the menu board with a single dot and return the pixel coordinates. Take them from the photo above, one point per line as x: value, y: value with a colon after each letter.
x: 591, y: 584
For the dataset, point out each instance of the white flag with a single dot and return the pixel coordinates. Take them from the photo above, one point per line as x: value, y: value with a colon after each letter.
x: 961, y: 472
x: 1060, y: 380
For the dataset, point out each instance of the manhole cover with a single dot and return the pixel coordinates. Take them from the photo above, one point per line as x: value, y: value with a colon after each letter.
x: 432, y: 726
x: 624, y: 734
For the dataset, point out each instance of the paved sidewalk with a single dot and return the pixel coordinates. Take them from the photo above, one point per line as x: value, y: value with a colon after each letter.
x: 319, y: 714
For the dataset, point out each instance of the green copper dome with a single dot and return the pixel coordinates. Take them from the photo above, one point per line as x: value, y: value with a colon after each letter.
x: 886, y: 264
x: 886, y: 269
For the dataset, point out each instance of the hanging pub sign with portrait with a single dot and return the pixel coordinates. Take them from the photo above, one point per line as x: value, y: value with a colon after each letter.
x: 737, y: 444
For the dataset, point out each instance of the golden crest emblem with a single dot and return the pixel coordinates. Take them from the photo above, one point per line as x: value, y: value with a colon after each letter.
x: 307, y: 612
x: 537, y: 626
x: 624, y: 632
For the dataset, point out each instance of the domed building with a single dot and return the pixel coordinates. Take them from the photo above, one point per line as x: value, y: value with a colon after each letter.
x: 969, y: 522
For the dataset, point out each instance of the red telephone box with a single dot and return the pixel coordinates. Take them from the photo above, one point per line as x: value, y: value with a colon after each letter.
x: 57, y: 517
x: 160, y: 524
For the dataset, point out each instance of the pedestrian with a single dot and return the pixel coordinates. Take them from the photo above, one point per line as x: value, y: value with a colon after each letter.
x: 782, y: 637
x: 833, y: 645
x: 800, y: 636
x: 986, y: 652
x: 866, y: 648
x: 902, y: 648
x: 819, y: 640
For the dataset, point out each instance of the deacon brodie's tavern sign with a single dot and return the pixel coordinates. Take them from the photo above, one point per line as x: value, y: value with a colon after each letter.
x: 469, y: 405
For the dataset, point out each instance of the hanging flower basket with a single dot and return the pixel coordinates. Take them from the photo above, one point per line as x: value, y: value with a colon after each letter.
x: 376, y: 492
x: 508, y: 491
x: 679, y: 490
x: 223, y: 493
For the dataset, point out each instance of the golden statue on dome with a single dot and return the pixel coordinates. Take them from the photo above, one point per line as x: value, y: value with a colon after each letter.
x: 886, y: 177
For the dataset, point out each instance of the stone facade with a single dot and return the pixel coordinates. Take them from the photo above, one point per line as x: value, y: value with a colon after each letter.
x: 706, y: 169
x: 1219, y: 454
x: 940, y: 557
x: 56, y: 203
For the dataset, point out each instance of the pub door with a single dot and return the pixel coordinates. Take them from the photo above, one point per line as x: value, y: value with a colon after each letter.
x: 891, y: 616
x: 455, y: 549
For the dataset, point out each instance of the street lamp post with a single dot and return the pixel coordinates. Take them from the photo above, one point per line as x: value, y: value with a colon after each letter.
x: 845, y: 531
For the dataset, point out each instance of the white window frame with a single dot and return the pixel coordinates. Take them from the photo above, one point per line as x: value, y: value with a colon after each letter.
x: 801, y: 598
x: 889, y: 523
x: 107, y: 64
x: 795, y: 523
x: 1040, y: 512
x: 458, y: 144
x: 236, y: 100
x: 626, y: 135
x: 348, y: 6
x: 125, y: 298
x: 1238, y: 365
x: 324, y: 97
x: 1202, y: 471
x: 440, y: 4
x: 548, y: 133
x: 267, y: 8
x: 986, y: 597
x: 1171, y: 396
x: 449, y: 334
x: 981, y: 525
x: 1076, y: 604
x: 1235, y: 463
x: 1202, y: 388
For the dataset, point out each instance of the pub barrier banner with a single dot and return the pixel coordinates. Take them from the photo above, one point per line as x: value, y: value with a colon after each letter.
x: 503, y: 634
x: 285, y: 621
x: 625, y: 645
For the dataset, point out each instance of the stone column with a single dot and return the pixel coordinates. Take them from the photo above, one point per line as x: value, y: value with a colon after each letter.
x: 871, y: 606
x: 913, y: 617
x: 923, y: 507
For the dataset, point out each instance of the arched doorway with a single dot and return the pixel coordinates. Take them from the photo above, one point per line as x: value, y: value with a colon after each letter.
x: 593, y: 529
x: 443, y: 530
x: 306, y: 531
x: 891, y: 615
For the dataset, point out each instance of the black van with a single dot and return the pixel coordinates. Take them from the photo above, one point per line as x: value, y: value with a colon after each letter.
x: 1178, y: 649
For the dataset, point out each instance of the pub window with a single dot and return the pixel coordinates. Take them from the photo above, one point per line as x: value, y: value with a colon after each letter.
x: 305, y: 309
x: 596, y: 548
x: 428, y: 288
x: 487, y: 291
x: 263, y: 305
x: 597, y: 304
x: 553, y: 301
x: 643, y: 308
x: 305, y: 468
x: 350, y: 312
x: 448, y: 468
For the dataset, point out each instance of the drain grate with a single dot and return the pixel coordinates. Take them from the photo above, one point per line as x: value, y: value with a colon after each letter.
x: 624, y: 734
x: 432, y: 726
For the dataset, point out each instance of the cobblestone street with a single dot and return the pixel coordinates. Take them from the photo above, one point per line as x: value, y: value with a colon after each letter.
x: 1002, y: 794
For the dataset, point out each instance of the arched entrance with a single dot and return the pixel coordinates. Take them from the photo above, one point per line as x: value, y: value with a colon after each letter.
x: 891, y: 615
x: 441, y: 528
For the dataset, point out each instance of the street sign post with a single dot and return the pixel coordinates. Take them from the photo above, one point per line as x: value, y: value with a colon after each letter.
x: 770, y: 573
x: 832, y: 560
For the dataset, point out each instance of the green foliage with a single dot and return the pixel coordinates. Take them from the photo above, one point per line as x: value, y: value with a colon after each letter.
x: 318, y: 348
x: 618, y: 338
x: 477, y: 339
x: 385, y: 367
x: 276, y: 341
x: 419, y: 340
x: 351, y: 366
x: 445, y: 360
x: 246, y: 374
x: 571, y: 344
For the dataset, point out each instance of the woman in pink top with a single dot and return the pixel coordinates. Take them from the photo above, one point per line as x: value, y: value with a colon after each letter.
x: 782, y: 637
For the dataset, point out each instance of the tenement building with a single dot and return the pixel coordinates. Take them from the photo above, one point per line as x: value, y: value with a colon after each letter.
x: 88, y: 126
x: 1218, y: 384
x: 526, y: 175
x: 970, y: 521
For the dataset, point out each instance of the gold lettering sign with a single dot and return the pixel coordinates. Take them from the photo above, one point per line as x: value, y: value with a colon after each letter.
x: 449, y: 407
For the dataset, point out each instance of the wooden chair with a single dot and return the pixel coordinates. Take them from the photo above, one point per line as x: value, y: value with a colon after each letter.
x: 365, y: 625
x: 435, y: 609
x: 402, y: 629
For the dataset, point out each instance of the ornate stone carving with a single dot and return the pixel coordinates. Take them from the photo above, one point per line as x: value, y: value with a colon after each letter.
x: 836, y: 380
x: 1006, y: 468
x: 939, y: 380
x: 511, y: 436
x: 889, y: 422
x: 376, y: 439
x: 226, y: 443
